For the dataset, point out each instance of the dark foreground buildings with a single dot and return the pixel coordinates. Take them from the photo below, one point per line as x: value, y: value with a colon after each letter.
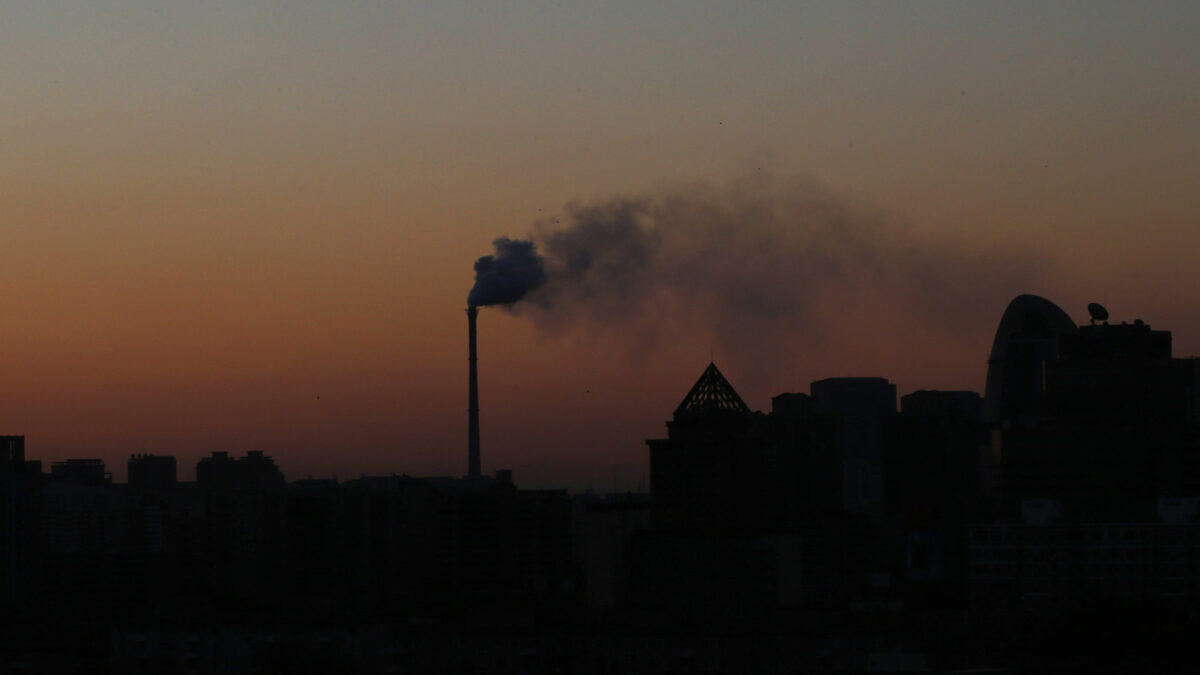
x: 845, y: 530
x: 1072, y: 486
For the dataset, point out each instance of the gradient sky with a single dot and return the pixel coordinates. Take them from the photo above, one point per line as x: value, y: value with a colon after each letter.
x: 250, y: 225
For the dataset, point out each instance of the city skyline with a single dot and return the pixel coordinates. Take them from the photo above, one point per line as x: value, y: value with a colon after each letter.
x: 243, y: 228
x: 1021, y: 303
x: 847, y: 526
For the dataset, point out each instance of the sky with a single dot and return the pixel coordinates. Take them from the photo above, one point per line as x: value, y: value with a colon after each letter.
x: 251, y: 225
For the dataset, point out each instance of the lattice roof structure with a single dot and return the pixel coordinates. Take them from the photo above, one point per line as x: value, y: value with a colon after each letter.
x: 712, y: 392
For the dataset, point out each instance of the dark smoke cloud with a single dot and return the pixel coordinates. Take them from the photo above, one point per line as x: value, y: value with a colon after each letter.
x: 507, y: 275
x: 756, y: 264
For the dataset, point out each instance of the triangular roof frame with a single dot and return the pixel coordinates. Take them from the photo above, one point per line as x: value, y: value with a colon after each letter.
x: 712, y: 392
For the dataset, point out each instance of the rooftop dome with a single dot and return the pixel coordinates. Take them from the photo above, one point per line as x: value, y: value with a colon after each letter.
x: 1026, y: 339
x: 1029, y: 315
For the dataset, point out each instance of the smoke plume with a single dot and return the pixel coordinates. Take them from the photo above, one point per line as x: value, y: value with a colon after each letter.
x: 507, y: 275
x: 759, y: 264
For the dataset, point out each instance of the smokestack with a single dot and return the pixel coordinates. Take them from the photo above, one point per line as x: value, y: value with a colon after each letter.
x: 473, y: 395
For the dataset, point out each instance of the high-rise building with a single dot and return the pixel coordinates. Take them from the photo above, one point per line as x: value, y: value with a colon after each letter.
x: 734, y: 501
x: 933, y: 463
x: 861, y: 408
x: 931, y: 484
x: 698, y: 473
x: 1112, y: 430
x: 1118, y: 372
x: 1026, y: 340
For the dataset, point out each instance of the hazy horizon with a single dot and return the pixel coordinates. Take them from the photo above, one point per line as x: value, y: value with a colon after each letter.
x: 251, y: 226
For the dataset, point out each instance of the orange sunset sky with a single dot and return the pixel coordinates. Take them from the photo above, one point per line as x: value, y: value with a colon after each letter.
x: 251, y: 225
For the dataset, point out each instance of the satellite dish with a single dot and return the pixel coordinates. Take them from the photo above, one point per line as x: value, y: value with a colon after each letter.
x: 1097, y: 312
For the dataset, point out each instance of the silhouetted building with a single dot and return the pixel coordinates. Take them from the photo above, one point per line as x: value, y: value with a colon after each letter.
x: 12, y: 453
x: 604, y: 529
x: 255, y: 471
x: 239, y: 541
x: 805, y: 441
x: 1097, y: 474
x: 81, y: 538
x: 1194, y: 393
x: 700, y: 475
x: 1041, y: 567
x: 1119, y: 374
x: 499, y: 545
x: 152, y: 502
x: 426, y: 545
x: 934, y: 462
x: 741, y: 505
x: 20, y: 482
x: 723, y: 467
x: 151, y: 474
x: 1026, y: 340
x: 933, y: 471
x: 79, y: 510
x: 1114, y: 432
x: 732, y: 574
x: 317, y: 541
x: 85, y: 471
x: 861, y: 408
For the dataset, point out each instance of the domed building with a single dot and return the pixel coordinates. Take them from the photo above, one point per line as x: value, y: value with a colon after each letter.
x: 1094, y: 418
x: 1026, y: 340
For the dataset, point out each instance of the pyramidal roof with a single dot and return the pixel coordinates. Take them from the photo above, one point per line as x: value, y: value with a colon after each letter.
x: 712, y: 392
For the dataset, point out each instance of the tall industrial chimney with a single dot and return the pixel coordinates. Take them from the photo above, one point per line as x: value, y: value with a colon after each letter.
x: 473, y: 404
